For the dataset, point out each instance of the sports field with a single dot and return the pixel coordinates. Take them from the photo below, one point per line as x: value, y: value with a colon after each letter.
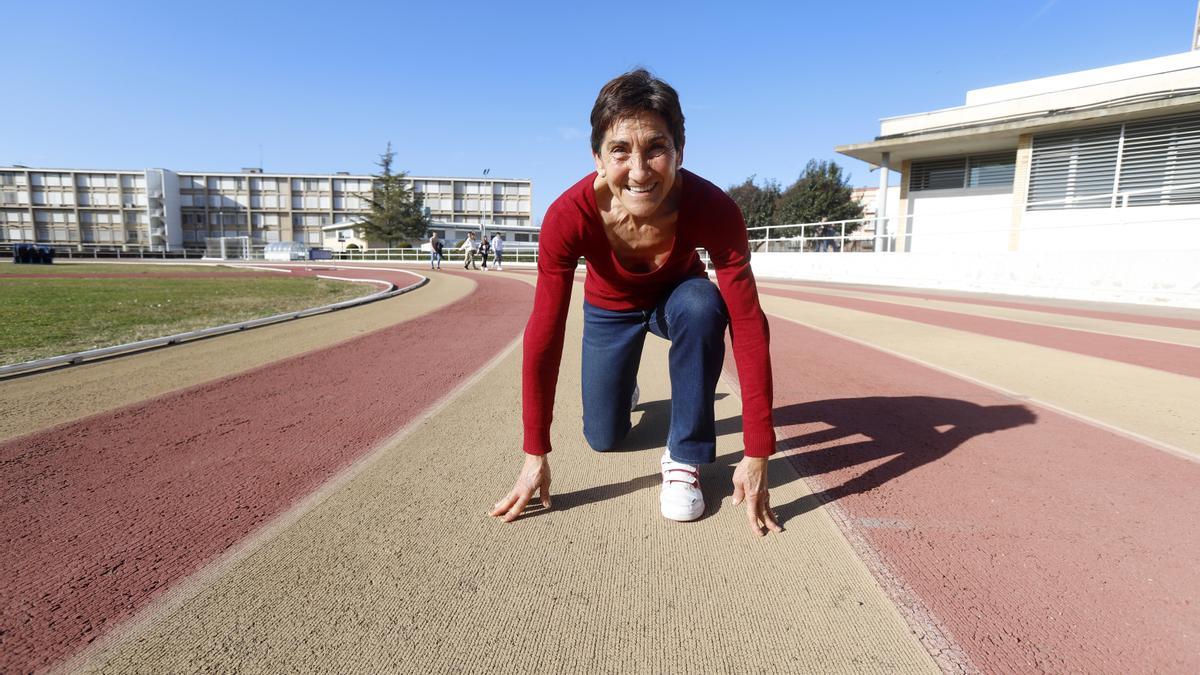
x: 47, y: 310
x: 969, y: 484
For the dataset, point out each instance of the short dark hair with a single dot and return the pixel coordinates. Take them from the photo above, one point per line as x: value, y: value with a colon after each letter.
x: 627, y: 95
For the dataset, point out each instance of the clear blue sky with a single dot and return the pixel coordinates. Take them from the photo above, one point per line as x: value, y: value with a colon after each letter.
x: 461, y: 86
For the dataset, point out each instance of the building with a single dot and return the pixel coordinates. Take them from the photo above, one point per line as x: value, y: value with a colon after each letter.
x: 1097, y: 160
x: 163, y: 209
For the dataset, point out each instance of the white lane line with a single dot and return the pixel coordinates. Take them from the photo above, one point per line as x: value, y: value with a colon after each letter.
x: 1126, y: 433
x: 900, y: 302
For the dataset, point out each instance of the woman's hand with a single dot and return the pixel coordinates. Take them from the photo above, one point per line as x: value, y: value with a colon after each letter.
x: 750, y: 484
x: 534, y: 477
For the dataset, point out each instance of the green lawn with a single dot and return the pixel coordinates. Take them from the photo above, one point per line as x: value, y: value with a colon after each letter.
x: 112, y: 268
x: 47, y: 317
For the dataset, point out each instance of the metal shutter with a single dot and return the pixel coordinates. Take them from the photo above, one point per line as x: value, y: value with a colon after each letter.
x: 938, y: 174
x: 991, y: 170
x: 1158, y: 155
x: 1066, y: 167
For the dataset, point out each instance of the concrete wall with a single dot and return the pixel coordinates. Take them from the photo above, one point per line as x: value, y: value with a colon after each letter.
x: 959, y: 220
x: 1142, y: 228
x: 1167, y: 278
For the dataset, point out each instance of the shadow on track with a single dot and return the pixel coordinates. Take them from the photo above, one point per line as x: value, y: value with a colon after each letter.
x: 904, y: 428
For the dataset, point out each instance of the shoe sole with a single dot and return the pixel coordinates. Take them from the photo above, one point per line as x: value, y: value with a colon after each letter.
x: 681, y: 516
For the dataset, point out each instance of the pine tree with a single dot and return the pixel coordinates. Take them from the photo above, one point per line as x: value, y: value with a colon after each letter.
x: 396, y: 214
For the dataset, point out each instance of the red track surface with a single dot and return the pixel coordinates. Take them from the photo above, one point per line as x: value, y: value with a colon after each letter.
x: 1029, y: 305
x: 1041, y: 543
x: 1172, y: 358
x: 101, y: 515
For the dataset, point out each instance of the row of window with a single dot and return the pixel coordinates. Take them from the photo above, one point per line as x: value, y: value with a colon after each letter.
x: 972, y: 171
x: 198, y: 237
x: 128, y: 200
x: 86, y: 180
x: 1145, y: 163
x: 471, y: 188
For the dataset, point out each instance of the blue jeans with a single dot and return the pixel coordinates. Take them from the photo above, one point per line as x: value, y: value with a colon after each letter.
x: 693, y: 317
x: 435, y: 259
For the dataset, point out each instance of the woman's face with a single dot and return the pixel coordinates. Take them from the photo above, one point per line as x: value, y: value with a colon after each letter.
x: 639, y: 162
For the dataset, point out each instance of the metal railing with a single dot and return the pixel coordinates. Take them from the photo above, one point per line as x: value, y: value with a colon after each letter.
x: 511, y: 255
x: 883, y: 234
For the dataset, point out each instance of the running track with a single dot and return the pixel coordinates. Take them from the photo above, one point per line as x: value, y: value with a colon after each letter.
x: 1034, y: 541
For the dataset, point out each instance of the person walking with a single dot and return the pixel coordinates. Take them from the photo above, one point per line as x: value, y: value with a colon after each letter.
x: 497, y: 252
x: 470, y: 246
x: 435, y: 252
x: 484, y: 248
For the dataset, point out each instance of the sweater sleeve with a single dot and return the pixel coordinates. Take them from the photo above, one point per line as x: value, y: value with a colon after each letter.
x: 558, y: 255
x: 729, y: 251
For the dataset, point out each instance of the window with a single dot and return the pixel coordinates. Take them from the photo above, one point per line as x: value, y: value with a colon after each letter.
x: 1158, y: 159
x: 1075, y: 169
x: 955, y: 173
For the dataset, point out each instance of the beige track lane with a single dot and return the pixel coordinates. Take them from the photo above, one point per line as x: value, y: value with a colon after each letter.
x: 1180, y: 336
x: 399, y: 569
x: 46, y: 399
x: 1150, y: 403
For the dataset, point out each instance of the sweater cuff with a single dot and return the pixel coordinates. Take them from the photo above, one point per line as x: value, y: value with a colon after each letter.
x: 759, y: 443
x: 537, y: 442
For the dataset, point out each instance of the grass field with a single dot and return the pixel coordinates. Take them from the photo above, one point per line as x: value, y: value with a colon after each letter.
x: 47, y: 317
x: 83, y: 269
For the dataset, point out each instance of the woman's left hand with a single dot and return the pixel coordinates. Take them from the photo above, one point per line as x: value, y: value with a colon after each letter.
x: 750, y: 484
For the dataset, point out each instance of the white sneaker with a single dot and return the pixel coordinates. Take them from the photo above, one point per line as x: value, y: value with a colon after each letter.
x: 681, y: 498
x: 636, y: 393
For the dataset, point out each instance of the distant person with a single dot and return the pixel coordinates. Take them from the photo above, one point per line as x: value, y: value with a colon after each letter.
x: 471, y: 247
x: 484, y: 249
x: 498, y: 252
x: 637, y: 220
x: 828, y: 243
x: 435, y: 252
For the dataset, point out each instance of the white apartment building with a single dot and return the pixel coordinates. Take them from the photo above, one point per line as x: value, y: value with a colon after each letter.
x: 163, y: 209
x: 1097, y: 160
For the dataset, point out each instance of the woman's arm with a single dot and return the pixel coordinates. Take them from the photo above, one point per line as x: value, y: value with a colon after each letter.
x: 729, y: 250
x: 558, y: 257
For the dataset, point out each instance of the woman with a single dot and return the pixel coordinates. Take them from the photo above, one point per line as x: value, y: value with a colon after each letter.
x: 638, y: 221
x: 470, y: 247
x: 484, y: 249
x: 435, y: 252
x: 498, y: 252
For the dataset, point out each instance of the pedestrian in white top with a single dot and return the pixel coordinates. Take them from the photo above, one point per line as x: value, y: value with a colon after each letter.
x: 471, y: 245
x: 497, y: 252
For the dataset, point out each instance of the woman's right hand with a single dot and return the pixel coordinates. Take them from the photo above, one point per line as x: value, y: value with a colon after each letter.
x: 534, y: 477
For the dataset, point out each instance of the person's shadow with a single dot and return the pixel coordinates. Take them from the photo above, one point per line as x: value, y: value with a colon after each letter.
x: 912, y: 430
x: 904, y: 428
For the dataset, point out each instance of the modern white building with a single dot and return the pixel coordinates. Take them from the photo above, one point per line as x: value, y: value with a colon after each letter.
x: 164, y: 209
x: 1098, y: 160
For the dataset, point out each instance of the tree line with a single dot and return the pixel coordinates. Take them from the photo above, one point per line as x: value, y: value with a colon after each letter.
x: 821, y: 193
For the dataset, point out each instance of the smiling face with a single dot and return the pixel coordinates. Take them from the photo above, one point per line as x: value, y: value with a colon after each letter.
x: 639, y: 163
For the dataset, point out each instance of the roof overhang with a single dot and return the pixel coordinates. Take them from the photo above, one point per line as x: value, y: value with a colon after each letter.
x: 993, y: 135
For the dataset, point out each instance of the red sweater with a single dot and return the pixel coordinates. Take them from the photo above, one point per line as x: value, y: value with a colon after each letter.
x: 573, y: 228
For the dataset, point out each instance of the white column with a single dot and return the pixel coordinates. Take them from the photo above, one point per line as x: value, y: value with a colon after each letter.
x: 881, y: 200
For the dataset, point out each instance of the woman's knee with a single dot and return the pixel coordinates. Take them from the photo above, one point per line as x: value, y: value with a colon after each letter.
x: 697, y: 303
x: 603, y: 440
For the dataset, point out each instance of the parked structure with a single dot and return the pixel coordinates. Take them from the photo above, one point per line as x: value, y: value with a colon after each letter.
x: 162, y: 209
x: 1098, y: 160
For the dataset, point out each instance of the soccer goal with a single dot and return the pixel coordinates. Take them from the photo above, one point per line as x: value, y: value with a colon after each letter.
x: 227, y: 248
